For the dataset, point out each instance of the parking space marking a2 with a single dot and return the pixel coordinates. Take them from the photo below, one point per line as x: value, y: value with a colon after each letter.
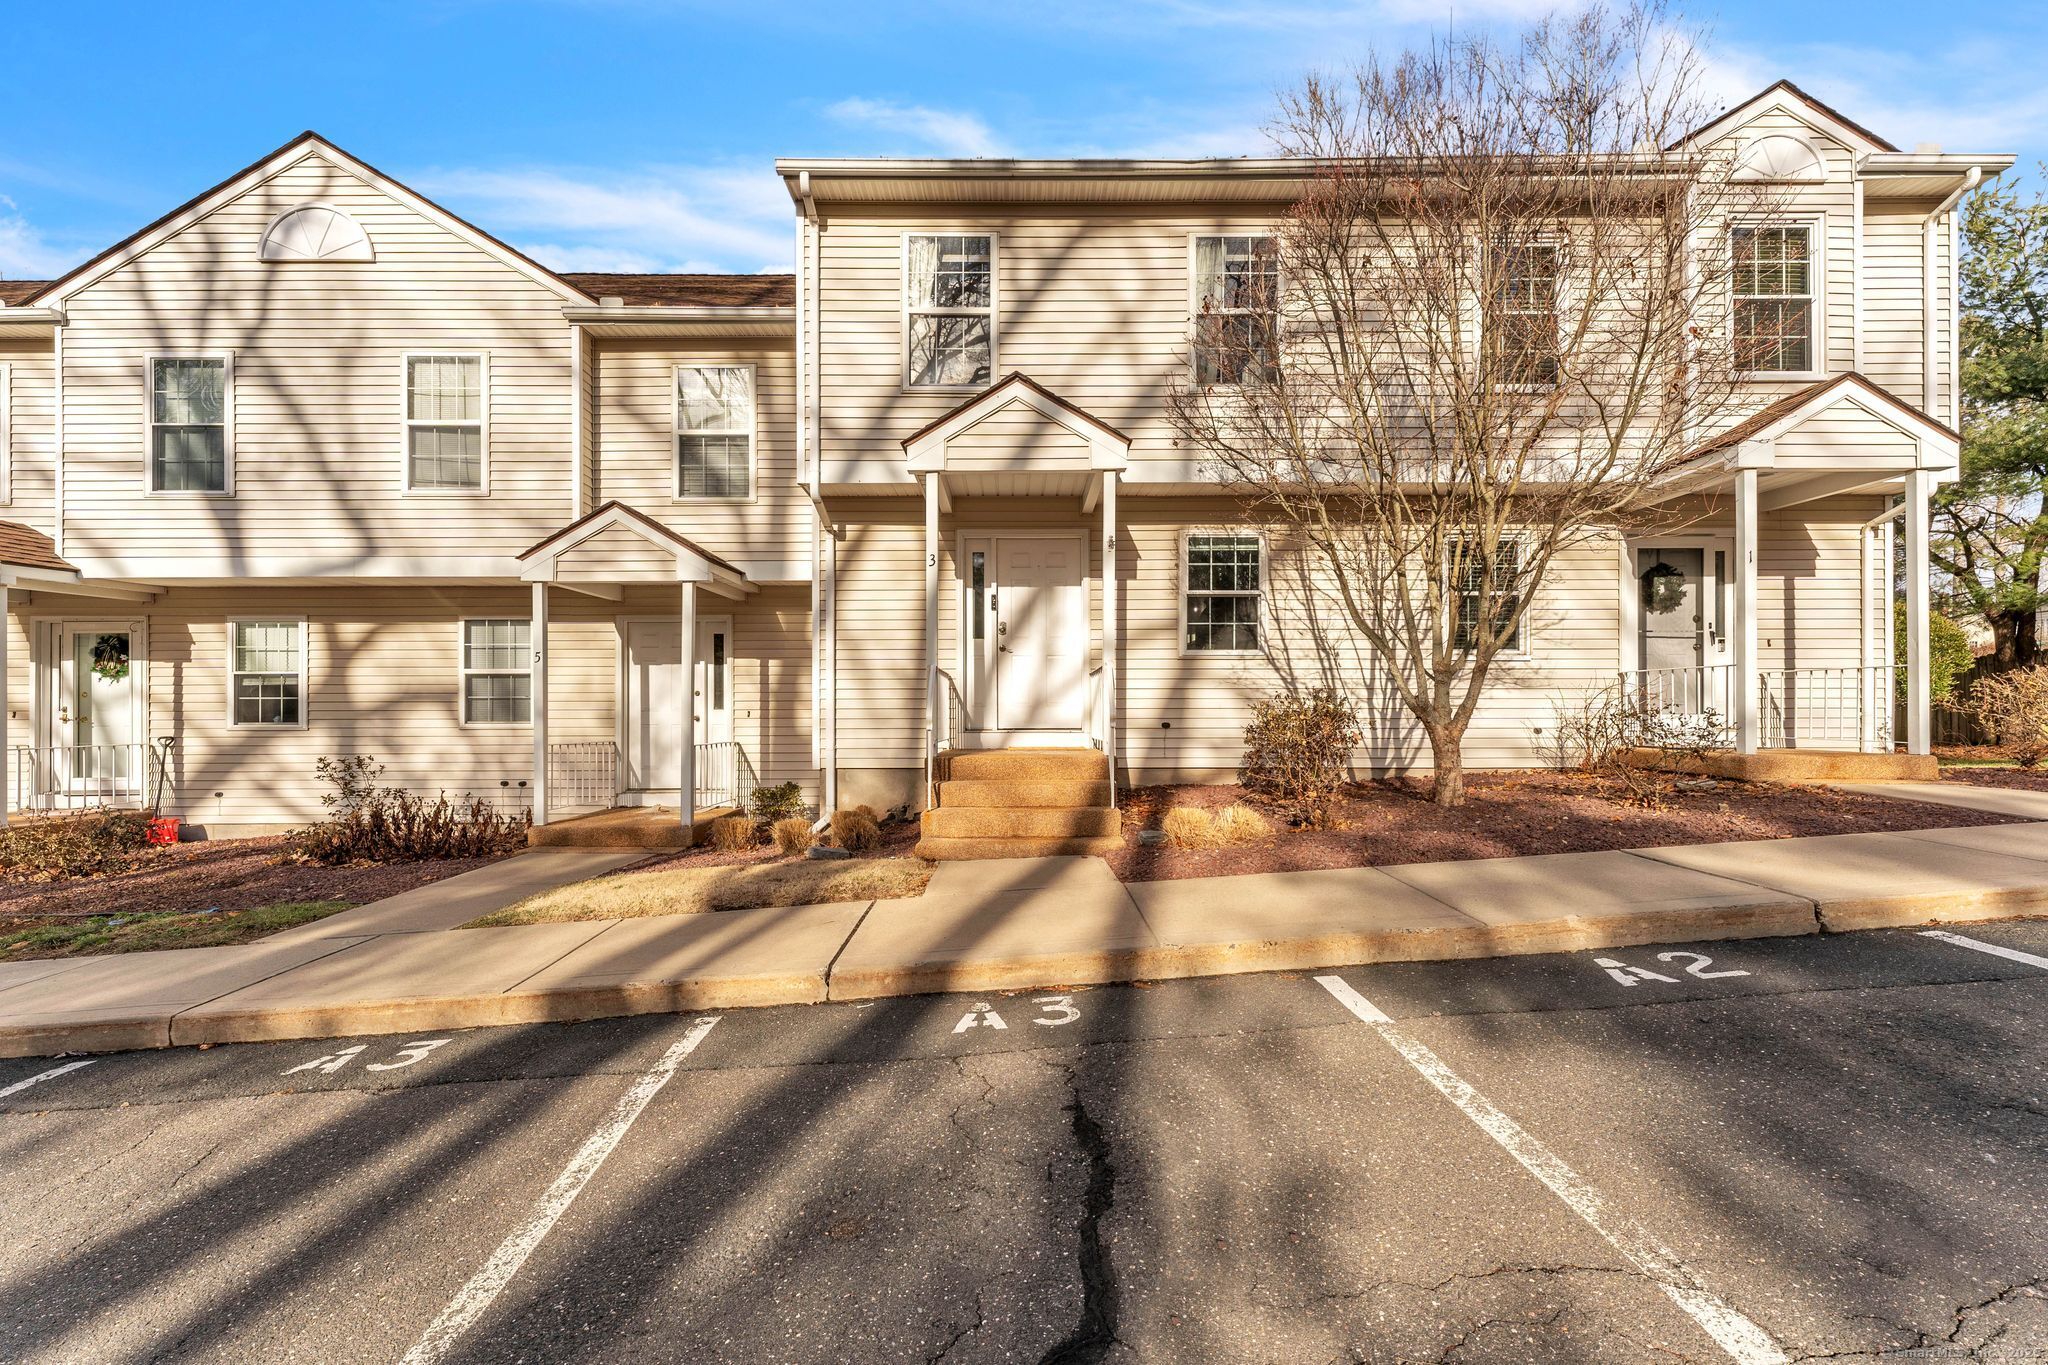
x: 1696, y: 966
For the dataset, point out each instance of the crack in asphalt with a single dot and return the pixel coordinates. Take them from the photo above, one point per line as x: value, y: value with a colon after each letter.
x: 960, y: 1334
x: 1096, y: 1330
x: 1342, y: 1295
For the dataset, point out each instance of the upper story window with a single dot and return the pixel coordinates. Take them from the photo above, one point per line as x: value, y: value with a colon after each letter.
x: 189, y: 403
x: 1237, y: 308
x: 1469, y: 584
x: 1525, y: 314
x: 497, y: 672
x: 715, y: 431
x: 1221, y: 602
x: 949, y: 290
x: 315, y: 232
x: 267, y: 672
x: 6, y: 434
x: 1774, y: 312
x: 444, y: 423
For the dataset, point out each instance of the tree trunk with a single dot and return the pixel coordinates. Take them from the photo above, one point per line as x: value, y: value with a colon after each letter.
x: 2013, y: 642
x: 1445, y: 749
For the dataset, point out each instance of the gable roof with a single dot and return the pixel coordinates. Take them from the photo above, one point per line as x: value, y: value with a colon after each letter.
x: 27, y: 548
x: 263, y: 168
x: 996, y: 394
x: 1827, y: 111
x: 689, y: 291
x: 1768, y: 416
x: 613, y: 512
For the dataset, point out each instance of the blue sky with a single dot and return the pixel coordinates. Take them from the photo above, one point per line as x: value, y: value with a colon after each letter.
x: 638, y: 134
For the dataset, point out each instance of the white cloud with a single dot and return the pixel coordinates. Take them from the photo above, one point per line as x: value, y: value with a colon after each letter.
x: 24, y: 254
x: 951, y: 132
x: 653, y: 219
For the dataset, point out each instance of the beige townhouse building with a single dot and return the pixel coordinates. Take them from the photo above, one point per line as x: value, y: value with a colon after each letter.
x: 310, y: 467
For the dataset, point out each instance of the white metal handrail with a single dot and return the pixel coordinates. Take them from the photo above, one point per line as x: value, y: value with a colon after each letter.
x: 942, y: 727
x: 1825, y: 708
x: 583, y: 776
x: 1691, y: 691
x: 725, y: 776
x: 62, y: 777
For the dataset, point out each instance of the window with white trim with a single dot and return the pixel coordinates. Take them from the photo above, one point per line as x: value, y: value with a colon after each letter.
x: 1471, y: 586
x: 1222, y: 593
x: 1773, y: 298
x: 188, y: 424
x: 949, y: 310
x: 444, y: 422
x: 1525, y: 314
x: 497, y: 672
x: 267, y: 672
x: 714, y: 431
x: 1237, y: 308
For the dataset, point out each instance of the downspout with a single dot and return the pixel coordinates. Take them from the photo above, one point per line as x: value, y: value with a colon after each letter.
x: 1971, y: 179
x: 824, y: 542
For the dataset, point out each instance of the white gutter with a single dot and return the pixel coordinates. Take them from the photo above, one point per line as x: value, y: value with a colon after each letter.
x: 1972, y: 177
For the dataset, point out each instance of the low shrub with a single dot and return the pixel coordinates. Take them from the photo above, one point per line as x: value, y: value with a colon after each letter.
x: 732, y: 833
x: 2013, y: 706
x: 792, y: 834
x: 870, y: 812
x: 1189, y: 827
x: 390, y: 825
x: 782, y: 802
x: 1297, y: 750
x: 1241, y: 825
x: 855, y: 830
x: 88, y: 844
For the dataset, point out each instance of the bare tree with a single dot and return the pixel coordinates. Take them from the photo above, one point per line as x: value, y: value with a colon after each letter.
x: 1489, y: 330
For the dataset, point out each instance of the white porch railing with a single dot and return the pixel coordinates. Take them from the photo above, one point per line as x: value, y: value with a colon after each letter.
x: 79, y: 776
x: 725, y: 776
x: 1689, y: 691
x: 942, y: 727
x: 1825, y: 708
x: 583, y: 776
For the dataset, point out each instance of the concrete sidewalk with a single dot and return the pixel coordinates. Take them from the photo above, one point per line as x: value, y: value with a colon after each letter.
x: 397, y: 967
x: 2031, y: 805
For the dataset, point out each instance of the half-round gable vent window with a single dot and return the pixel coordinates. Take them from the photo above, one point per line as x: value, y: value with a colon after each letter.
x: 1781, y: 157
x: 315, y: 232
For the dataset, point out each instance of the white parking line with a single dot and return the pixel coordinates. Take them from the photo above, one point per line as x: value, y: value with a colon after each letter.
x: 1979, y: 944
x: 1742, y: 1339
x: 52, y: 1074
x: 485, y: 1286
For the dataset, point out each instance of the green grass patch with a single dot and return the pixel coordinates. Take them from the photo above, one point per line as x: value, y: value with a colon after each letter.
x: 34, y: 937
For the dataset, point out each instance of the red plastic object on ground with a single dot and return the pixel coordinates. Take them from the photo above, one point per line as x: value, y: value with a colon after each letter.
x: 163, y: 829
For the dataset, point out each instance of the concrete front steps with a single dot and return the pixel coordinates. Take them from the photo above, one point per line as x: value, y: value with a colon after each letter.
x: 1021, y: 803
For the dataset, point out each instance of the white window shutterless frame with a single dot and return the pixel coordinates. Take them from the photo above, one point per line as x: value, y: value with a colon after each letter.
x: 951, y: 291
x: 716, y: 432
x: 1222, y: 593
x: 1227, y: 275
x: 188, y: 423
x: 1770, y: 283
x: 267, y: 673
x: 444, y: 414
x: 1463, y: 595
x: 496, y: 669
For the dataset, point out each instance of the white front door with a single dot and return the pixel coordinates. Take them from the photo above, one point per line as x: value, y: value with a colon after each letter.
x: 96, y: 723
x: 1678, y: 624
x: 654, y: 729
x: 1041, y: 633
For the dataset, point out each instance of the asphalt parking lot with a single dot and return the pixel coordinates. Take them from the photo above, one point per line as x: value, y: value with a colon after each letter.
x: 1767, y: 1150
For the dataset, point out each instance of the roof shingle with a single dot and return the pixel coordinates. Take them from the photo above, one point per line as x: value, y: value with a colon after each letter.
x: 13, y: 292
x: 29, y: 548
x: 691, y: 291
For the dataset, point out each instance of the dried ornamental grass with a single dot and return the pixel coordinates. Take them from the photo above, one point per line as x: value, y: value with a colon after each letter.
x: 731, y: 833
x: 855, y: 830
x: 793, y: 834
x: 1189, y: 827
x: 1241, y: 825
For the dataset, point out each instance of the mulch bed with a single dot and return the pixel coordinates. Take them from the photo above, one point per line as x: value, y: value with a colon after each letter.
x: 223, y: 874
x: 2026, y: 779
x: 1509, y: 815
x: 899, y: 838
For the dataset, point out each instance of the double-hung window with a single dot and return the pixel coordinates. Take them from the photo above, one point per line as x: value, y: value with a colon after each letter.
x: 1525, y: 341
x: 497, y: 672
x: 1774, y: 314
x: 444, y: 423
x: 1222, y: 596
x: 267, y: 672
x: 715, y: 431
x: 188, y: 423
x: 949, y: 290
x: 1237, y: 308
x: 1471, y: 588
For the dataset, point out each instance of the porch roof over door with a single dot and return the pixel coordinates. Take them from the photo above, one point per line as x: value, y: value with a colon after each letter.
x: 617, y: 544
x: 1017, y: 426
x: 1844, y: 434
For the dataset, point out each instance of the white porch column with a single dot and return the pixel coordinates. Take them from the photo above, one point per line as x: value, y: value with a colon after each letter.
x: 6, y: 747
x: 933, y: 697
x: 686, y: 695
x: 1109, y: 624
x: 537, y: 632
x: 1746, y: 718
x: 1919, y: 682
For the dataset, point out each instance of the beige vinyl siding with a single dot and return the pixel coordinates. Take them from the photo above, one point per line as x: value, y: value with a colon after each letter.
x: 383, y: 679
x: 31, y: 440
x: 614, y: 554
x: 1843, y: 432
x: 1892, y: 296
x: 636, y: 439
x: 1017, y: 436
x: 317, y: 431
